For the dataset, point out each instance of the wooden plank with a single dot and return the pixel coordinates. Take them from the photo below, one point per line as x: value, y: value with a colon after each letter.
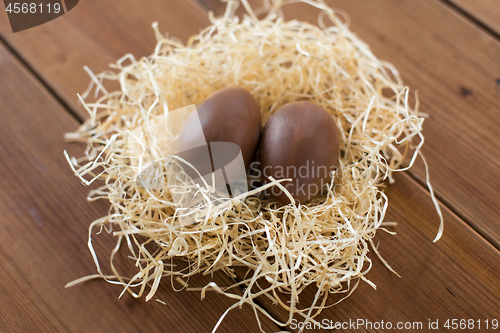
x: 384, y: 19
x: 463, y: 103
x: 94, y: 34
x: 457, y: 83
x: 424, y: 55
x: 454, y: 66
x: 487, y: 12
x: 444, y: 280
x: 457, y: 277
x: 43, y: 234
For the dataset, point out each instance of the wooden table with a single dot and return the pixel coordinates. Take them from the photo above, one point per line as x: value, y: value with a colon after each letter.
x: 447, y: 50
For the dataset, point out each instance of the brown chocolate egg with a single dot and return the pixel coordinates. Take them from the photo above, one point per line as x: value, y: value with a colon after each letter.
x: 228, y: 116
x: 300, y: 141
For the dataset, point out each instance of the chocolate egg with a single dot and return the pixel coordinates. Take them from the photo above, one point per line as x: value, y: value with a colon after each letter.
x: 230, y: 115
x: 300, y: 141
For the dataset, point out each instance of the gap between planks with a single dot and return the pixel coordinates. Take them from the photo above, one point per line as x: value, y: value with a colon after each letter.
x: 217, y: 7
x: 78, y: 118
x: 474, y: 19
x: 445, y: 203
x: 46, y: 96
x: 75, y: 115
x: 30, y: 69
x: 478, y: 23
x: 476, y: 212
x: 206, y: 6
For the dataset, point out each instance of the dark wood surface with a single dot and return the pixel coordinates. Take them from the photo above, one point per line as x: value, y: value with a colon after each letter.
x: 484, y: 12
x: 43, y: 245
x: 455, y: 66
x: 436, y: 278
x: 95, y: 35
x: 439, y: 50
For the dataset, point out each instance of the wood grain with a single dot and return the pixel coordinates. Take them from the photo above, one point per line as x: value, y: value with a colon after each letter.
x: 43, y: 234
x: 454, y: 66
x: 436, y: 51
x: 456, y: 277
x: 96, y: 33
x: 436, y: 279
x: 485, y: 11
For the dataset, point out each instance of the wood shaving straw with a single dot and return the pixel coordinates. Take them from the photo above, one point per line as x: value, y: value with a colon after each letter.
x: 323, y: 243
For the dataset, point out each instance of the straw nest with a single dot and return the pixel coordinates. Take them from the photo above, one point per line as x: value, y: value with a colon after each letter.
x: 325, y: 243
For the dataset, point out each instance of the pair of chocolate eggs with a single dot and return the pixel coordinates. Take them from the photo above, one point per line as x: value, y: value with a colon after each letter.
x: 300, y: 141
